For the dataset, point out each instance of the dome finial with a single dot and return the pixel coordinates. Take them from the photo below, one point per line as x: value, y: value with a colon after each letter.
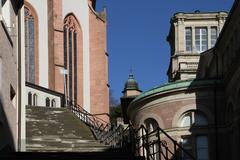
x: 131, y: 84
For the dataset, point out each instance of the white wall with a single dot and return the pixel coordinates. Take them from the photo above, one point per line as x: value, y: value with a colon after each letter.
x: 6, y: 13
x: 41, y: 97
x: 42, y: 11
x: 81, y: 11
x: 23, y: 88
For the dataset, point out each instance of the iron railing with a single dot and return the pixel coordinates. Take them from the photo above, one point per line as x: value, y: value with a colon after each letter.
x: 100, y: 128
x: 154, y: 145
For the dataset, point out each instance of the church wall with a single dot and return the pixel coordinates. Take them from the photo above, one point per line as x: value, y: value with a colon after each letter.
x: 42, y: 12
x: 9, y: 86
x: 81, y: 10
x: 99, y: 91
x: 167, y: 109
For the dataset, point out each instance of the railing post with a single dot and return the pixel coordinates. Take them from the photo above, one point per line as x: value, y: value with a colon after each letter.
x: 159, y: 145
x: 167, y: 153
x: 147, y: 145
x: 143, y: 146
x: 175, y: 150
x: 132, y: 139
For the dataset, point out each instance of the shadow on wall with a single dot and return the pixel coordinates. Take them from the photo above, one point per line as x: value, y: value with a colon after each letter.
x: 6, y: 138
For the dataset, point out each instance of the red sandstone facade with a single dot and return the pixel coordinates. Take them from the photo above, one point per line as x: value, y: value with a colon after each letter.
x: 98, y: 57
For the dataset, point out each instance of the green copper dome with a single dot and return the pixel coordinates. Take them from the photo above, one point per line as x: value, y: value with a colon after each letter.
x: 131, y: 83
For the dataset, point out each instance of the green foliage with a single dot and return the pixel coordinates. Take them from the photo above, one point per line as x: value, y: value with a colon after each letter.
x: 115, y: 112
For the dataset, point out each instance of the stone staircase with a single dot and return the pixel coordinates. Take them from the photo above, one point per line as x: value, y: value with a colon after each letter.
x: 58, y: 130
x: 56, y: 133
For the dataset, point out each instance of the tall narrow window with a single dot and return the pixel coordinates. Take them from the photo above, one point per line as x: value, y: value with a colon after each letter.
x: 53, y: 103
x: 29, y: 98
x: 201, y: 39
x: 65, y: 59
x: 188, y: 38
x: 71, y: 55
x: 47, y: 102
x: 213, y: 36
x: 35, y: 99
x: 202, y: 148
x: 65, y: 48
x: 75, y: 66
x: 187, y: 145
x: 70, y: 64
x: 30, y: 45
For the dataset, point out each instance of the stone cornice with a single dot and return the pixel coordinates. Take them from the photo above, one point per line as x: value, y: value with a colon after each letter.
x: 173, y: 87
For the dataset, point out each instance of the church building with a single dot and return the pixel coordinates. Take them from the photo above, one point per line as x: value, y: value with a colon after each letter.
x: 53, y: 54
x: 66, y: 53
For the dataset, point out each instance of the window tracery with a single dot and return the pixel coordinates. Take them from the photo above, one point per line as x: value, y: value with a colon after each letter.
x: 31, y: 64
x: 70, y: 54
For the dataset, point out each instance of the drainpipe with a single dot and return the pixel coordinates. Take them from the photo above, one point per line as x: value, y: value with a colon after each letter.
x: 19, y: 85
x: 215, y: 106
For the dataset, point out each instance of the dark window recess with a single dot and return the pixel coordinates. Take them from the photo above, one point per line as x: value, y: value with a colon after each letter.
x: 70, y: 65
x: 65, y: 48
x: 47, y: 102
x: 53, y: 103
x: 12, y: 93
x: 3, y: 2
x: 30, y: 98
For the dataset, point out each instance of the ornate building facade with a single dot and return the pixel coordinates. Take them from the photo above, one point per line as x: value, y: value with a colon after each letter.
x: 52, y: 50
x: 199, y: 107
x: 12, y: 48
x: 66, y: 52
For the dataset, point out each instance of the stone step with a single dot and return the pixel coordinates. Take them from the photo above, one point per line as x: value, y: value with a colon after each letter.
x: 107, y: 155
x: 58, y: 129
x: 62, y: 149
x: 64, y: 143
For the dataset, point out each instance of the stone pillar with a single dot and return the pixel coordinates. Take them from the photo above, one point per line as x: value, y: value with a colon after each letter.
x: 209, y: 36
x: 193, y: 40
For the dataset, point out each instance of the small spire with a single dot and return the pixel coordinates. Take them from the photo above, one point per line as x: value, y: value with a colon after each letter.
x: 131, y: 70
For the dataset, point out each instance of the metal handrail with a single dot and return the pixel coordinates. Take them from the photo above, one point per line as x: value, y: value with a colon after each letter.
x: 143, y: 144
x: 99, y: 127
x: 118, y: 137
x: 176, y: 145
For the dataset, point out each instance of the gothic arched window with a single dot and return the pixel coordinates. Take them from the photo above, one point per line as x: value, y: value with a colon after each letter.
x: 71, y: 30
x: 31, y: 46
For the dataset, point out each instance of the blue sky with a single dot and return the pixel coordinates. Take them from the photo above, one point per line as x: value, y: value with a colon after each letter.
x: 137, y: 31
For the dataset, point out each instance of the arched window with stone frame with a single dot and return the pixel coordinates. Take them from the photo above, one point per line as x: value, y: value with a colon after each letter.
x: 151, y: 126
x: 197, y: 144
x: 73, y: 57
x: 31, y: 44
